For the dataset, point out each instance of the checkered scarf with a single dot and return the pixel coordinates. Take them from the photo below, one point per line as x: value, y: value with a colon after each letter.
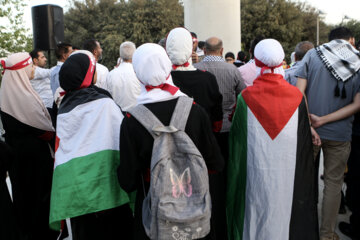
x: 212, y: 58
x: 340, y: 58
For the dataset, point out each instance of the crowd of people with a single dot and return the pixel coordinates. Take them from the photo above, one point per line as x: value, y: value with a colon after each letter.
x: 179, y: 142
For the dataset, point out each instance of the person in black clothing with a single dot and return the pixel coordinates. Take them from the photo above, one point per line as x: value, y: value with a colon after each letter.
x: 29, y: 133
x: 8, y: 229
x: 203, y: 87
x: 91, y: 219
x: 352, y: 180
x: 159, y: 95
x: 198, y: 84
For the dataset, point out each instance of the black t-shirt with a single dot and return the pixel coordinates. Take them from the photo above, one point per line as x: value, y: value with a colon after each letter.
x: 136, y: 143
x: 201, y: 86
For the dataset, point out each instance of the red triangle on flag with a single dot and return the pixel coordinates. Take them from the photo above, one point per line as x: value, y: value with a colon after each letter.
x: 273, y: 101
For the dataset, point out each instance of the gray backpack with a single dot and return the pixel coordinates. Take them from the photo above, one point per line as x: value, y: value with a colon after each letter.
x: 178, y: 204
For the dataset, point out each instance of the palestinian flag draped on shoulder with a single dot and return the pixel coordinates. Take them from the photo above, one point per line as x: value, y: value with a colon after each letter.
x: 87, y: 156
x: 271, y: 191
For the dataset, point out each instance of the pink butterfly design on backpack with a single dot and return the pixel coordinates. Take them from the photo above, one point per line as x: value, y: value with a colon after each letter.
x: 181, y: 185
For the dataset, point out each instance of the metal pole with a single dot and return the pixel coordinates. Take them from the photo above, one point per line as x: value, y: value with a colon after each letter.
x: 317, y: 31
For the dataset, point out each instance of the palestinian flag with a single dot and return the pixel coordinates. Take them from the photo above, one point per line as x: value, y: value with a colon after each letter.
x: 271, y: 191
x: 86, y: 157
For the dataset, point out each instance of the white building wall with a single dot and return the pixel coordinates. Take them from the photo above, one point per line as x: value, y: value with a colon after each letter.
x: 219, y: 18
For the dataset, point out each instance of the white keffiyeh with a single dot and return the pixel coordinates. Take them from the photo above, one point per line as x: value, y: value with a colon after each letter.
x: 340, y: 58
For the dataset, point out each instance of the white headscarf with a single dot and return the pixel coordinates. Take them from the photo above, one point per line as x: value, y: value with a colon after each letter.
x: 18, y: 98
x: 153, y: 67
x: 179, y: 46
x: 269, y: 56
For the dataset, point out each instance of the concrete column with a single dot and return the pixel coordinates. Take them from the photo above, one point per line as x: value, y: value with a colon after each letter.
x: 220, y: 18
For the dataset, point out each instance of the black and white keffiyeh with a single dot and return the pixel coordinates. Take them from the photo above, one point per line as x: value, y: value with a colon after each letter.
x: 341, y: 59
x: 212, y: 58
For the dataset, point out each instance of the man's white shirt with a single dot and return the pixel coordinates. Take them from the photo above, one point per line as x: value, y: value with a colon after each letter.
x: 41, y: 84
x: 123, y: 85
x: 102, y: 73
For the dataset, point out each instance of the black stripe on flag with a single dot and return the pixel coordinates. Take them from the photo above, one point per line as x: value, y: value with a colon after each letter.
x: 304, y: 217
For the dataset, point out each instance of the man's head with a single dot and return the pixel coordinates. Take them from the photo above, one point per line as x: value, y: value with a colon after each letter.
x: 195, y: 41
x: 253, y: 45
x: 342, y: 33
x: 241, y: 56
x: 301, y: 49
x: 38, y: 57
x: 127, y: 50
x: 63, y: 51
x: 201, y: 45
x: 94, y: 47
x: 230, y: 57
x: 213, y: 46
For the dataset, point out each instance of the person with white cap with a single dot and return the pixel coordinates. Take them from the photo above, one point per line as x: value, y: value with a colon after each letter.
x: 271, y: 190
x: 199, y: 84
x: 29, y: 132
x: 158, y: 94
x: 202, y: 86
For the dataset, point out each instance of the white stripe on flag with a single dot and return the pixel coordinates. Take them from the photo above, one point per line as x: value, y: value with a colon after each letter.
x: 97, y: 120
x: 270, y: 180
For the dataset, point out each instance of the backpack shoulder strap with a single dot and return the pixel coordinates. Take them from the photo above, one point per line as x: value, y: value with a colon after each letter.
x: 146, y: 118
x: 181, y: 112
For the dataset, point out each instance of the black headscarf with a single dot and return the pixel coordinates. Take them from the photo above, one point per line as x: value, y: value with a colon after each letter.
x: 77, y: 71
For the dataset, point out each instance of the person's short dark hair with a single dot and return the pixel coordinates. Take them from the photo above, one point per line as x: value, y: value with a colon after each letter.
x: 229, y: 55
x: 35, y: 53
x: 253, y: 44
x: 340, y: 33
x: 201, y: 44
x: 90, y: 45
x: 62, y: 48
x: 241, y: 56
x: 193, y: 34
x: 75, y: 47
x: 302, y: 48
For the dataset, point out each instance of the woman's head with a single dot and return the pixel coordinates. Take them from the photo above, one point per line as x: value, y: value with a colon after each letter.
x: 78, y: 71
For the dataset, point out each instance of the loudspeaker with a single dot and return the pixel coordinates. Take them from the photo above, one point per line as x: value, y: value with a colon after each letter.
x: 48, y: 26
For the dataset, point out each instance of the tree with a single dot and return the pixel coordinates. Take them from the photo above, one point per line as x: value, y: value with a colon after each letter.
x: 112, y: 22
x: 14, y: 36
x: 285, y: 21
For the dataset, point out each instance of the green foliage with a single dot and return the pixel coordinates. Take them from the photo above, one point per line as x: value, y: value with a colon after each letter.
x: 285, y: 21
x: 354, y: 26
x: 112, y: 22
x: 14, y: 36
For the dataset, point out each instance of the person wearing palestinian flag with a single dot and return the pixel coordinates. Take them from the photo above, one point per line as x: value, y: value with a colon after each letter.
x: 85, y: 187
x: 271, y: 190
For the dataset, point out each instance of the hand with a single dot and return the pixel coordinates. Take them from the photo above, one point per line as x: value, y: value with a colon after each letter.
x: 195, y: 57
x: 316, y: 121
x: 315, y: 137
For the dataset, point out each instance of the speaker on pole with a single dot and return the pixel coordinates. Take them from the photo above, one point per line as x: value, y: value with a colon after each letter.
x: 48, y: 26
